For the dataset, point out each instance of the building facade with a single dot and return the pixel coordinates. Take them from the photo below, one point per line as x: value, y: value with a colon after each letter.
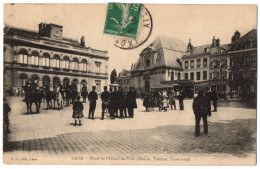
x: 158, y: 63
x: 48, y: 58
x: 229, y: 68
x: 243, y: 64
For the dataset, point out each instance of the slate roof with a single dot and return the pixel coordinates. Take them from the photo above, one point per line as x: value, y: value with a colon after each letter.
x: 167, y: 49
x: 251, y: 35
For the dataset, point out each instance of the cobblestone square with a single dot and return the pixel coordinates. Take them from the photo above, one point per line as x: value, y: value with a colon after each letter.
x: 148, y: 138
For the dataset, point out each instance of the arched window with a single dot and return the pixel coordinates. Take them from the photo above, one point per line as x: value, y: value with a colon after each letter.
x: 35, y: 58
x: 46, y: 60
x: 56, y: 61
x: 75, y: 64
x: 67, y: 62
x: 84, y: 65
x: 66, y: 83
x: 23, y: 57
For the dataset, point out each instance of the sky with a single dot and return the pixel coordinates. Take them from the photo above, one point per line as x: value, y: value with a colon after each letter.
x: 196, y: 22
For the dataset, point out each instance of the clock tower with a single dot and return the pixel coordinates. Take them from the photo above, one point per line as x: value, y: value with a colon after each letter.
x: 50, y: 30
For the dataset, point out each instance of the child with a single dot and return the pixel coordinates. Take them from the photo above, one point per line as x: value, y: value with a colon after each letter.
x: 77, y: 111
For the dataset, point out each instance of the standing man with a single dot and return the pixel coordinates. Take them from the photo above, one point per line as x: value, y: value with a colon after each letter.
x: 201, y: 111
x: 115, y: 101
x: 84, y: 93
x: 214, y: 98
x: 208, y: 99
x: 92, y: 98
x: 105, y: 97
x: 180, y: 98
x: 131, y: 102
x: 121, y: 104
x: 111, y: 103
x: 172, y: 99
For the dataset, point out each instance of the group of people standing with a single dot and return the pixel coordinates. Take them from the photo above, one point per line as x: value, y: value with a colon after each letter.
x: 114, y: 101
x: 163, y: 100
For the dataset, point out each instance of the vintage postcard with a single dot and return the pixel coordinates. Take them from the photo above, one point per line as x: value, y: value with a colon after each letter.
x: 129, y: 84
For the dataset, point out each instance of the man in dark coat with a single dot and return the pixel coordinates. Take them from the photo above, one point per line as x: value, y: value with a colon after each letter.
x: 105, y: 97
x: 92, y: 98
x: 121, y: 102
x: 115, y: 102
x: 77, y: 111
x: 6, y: 110
x: 214, y: 98
x: 131, y: 102
x: 180, y: 98
x: 200, y: 109
x: 84, y: 93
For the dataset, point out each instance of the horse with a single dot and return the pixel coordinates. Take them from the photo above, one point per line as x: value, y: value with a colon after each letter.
x: 31, y: 96
x: 48, y: 97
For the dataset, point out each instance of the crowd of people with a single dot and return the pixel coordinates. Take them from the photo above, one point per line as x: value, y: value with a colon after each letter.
x: 117, y: 102
x: 163, y: 100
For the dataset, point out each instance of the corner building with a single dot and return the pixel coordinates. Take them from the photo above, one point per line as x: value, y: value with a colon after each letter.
x: 48, y: 58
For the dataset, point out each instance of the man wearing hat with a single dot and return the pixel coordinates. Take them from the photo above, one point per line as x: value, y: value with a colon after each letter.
x: 105, y: 97
x: 92, y: 98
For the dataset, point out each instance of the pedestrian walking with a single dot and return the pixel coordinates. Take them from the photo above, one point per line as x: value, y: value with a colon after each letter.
x: 131, y: 102
x: 92, y: 98
x: 78, y: 111
x: 105, y: 97
x: 200, y: 109
x: 172, y: 97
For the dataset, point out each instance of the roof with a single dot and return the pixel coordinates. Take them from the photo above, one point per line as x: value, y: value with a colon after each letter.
x: 251, y: 35
x: 166, y: 53
x: 10, y: 30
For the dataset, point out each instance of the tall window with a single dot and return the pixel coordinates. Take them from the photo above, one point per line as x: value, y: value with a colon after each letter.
x: 205, y: 62
x: 66, y: 63
x: 23, y: 57
x: 198, y: 75
x: 186, y: 76
x: 198, y: 63
x: 223, y: 62
x: 192, y: 64
x: 35, y: 58
x: 75, y: 64
x: 205, y: 75
x: 46, y: 60
x: 56, y: 61
x: 192, y: 76
x: 172, y: 75
x: 186, y: 64
x: 98, y: 67
x: 84, y: 63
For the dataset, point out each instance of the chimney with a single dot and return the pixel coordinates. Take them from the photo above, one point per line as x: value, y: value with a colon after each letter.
x: 214, y: 42
x: 235, y: 37
x: 82, y: 41
x: 218, y: 42
x: 189, y: 47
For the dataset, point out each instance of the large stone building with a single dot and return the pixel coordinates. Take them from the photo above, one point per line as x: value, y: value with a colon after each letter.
x: 199, y: 68
x: 158, y: 64
x: 48, y: 58
x: 243, y: 63
x: 169, y: 63
x: 228, y: 68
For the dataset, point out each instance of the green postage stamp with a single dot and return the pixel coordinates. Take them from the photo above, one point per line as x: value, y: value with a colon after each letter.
x: 122, y: 19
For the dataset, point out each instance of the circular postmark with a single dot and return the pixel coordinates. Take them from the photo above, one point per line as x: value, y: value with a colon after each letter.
x: 130, y: 24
